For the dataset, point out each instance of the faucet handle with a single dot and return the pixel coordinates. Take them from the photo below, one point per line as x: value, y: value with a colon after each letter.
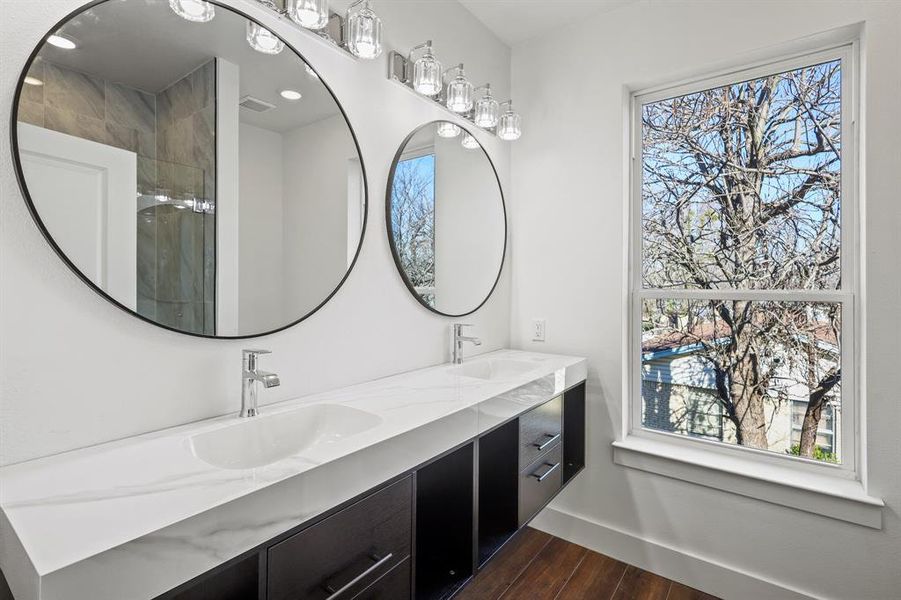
x: 459, y: 326
x: 250, y: 357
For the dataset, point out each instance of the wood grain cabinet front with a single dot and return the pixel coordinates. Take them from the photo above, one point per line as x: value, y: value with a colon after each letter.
x: 340, y: 557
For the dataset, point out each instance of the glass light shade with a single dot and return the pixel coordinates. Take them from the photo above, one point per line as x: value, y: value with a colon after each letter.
x: 446, y: 129
x: 197, y: 11
x: 364, y: 33
x: 263, y: 40
x: 427, y: 74
x: 469, y: 142
x: 312, y: 14
x: 510, y: 126
x: 487, y: 110
x: 459, y: 94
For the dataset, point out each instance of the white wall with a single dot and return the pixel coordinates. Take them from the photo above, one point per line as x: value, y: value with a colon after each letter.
x: 261, y: 289
x: 469, y: 226
x: 568, y: 185
x: 316, y: 217
x: 75, y: 371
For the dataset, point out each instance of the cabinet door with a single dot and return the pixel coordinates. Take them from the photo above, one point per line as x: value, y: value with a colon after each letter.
x: 343, y: 554
x: 539, y: 430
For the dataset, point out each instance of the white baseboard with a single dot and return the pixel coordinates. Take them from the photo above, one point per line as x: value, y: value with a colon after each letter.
x: 693, y: 571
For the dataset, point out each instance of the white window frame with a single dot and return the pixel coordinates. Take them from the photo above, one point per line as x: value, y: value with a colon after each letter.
x: 848, y: 295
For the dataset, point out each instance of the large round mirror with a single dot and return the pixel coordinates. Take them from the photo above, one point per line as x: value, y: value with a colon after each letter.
x: 190, y: 166
x: 446, y: 219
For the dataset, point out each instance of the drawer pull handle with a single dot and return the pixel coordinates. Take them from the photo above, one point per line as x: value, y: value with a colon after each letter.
x: 553, y: 439
x: 378, y: 563
x: 543, y: 476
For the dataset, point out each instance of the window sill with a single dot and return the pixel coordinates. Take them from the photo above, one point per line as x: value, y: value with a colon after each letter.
x: 837, y: 498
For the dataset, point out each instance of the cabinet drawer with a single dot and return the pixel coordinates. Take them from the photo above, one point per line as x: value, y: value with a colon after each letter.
x: 394, y: 585
x: 345, y: 552
x: 539, y: 482
x: 539, y: 430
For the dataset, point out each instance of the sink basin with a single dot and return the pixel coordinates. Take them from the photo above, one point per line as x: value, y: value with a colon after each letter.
x: 493, y: 369
x: 259, y: 441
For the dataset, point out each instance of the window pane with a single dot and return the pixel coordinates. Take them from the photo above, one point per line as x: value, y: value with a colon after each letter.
x: 744, y: 372
x: 413, y: 222
x: 740, y: 184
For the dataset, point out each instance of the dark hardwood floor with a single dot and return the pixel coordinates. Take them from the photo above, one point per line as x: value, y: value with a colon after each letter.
x: 538, y: 566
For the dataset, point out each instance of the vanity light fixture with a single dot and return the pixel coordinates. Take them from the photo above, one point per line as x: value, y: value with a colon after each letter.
x: 459, y: 91
x: 446, y: 129
x: 509, y: 127
x: 312, y: 14
x: 61, y: 42
x: 196, y: 11
x: 29, y: 80
x: 427, y: 75
x: 487, y: 109
x: 469, y: 142
x: 363, y: 30
x: 290, y: 94
x: 263, y: 40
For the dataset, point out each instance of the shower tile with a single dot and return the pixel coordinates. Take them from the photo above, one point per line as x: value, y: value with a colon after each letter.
x: 146, y: 175
x: 34, y: 93
x: 204, y: 144
x: 177, y: 101
x: 122, y: 137
x: 130, y: 107
x: 75, y: 124
x: 209, y: 318
x: 31, y: 112
x: 203, y: 82
x: 147, y: 143
x: 146, y: 307
x: 175, y: 141
x: 75, y: 92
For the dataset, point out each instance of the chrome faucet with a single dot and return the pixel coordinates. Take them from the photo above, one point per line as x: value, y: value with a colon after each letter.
x: 250, y: 375
x: 459, y: 338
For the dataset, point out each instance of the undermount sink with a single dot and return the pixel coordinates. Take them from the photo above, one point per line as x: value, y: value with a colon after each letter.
x: 263, y: 440
x: 493, y: 369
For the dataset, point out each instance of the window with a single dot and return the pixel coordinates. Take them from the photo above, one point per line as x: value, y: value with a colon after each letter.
x: 413, y: 221
x: 743, y: 260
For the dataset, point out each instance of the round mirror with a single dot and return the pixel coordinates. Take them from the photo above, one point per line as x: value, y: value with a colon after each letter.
x: 189, y: 166
x: 446, y: 219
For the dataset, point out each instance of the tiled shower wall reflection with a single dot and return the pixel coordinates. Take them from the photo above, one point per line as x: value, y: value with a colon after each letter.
x: 184, y: 288
x: 172, y: 132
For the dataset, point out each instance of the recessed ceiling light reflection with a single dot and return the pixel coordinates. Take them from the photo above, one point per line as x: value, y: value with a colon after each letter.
x: 33, y: 80
x: 311, y: 72
x: 61, y: 42
x: 290, y: 94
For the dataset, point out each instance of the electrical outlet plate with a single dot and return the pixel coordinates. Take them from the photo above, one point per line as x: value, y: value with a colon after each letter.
x: 538, y: 327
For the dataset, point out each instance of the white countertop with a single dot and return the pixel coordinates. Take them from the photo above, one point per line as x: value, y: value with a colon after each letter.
x: 68, y: 508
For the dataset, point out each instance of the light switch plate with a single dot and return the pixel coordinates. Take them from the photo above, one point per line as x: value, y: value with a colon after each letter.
x: 538, y: 327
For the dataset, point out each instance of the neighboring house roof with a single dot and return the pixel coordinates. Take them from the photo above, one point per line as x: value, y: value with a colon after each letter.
x: 683, y: 342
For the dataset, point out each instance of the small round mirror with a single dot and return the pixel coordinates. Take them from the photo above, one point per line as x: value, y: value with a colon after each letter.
x: 446, y: 219
x: 189, y: 165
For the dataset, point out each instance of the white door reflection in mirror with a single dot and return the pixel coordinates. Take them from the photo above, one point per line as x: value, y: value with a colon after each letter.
x: 79, y: 184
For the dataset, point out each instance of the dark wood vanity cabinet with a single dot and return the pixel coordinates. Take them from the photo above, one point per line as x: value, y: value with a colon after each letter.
x: 342, y: 555
x: 426, y: 533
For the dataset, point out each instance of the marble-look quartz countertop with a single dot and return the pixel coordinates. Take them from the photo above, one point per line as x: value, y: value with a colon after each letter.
x: 136, y: 517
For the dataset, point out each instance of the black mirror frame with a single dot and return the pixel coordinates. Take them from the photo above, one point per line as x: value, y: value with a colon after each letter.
x: 390, y: 230
x: 32, y: 209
